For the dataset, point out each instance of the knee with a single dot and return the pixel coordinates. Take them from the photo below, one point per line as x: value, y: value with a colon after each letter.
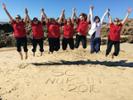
x: 84, y: 47
x: 116, y: 54
x: 41, y: 50
x: 57, y: 49
x: 72, y: 48
x: 19, y: 49
x: 64, y: 48
x: 25, y: 50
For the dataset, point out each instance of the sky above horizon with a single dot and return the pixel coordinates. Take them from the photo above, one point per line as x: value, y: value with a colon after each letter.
x: 53, y: 7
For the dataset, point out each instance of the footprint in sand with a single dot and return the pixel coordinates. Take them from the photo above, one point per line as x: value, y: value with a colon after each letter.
x: 23, y: 66
x: 5, y: 91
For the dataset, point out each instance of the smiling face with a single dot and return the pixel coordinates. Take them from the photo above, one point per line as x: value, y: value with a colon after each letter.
x: 96, y: 19
x: 18, y: 18
x: 117, y: 21
x: 81, y: 18
x: 35, y: 20
x: 68, y: 21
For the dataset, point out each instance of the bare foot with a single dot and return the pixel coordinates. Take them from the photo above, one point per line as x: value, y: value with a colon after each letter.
x: 21, y: 57
x: 26, y: 55
x: 112, y: 56
x: 41, y: 54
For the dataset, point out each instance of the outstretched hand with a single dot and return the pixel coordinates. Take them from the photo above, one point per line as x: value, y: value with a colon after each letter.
x: 129, y: 10
x: 74, y: 9
x: 63, y: 10
x: 92, y: 7
x: 107, y: 11
x: 42, y: 9
x: 4, y: 6
x: 26, y: 11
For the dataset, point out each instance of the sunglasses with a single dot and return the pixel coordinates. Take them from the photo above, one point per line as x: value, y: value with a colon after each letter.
x: 17, y: 18
x: 35, y: 20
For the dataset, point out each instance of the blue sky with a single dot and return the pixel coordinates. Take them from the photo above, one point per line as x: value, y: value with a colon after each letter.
x: 54, y: 7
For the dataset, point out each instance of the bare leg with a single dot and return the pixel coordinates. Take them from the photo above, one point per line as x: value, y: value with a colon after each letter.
x: 113, y: 56
x: 41, y: 54
x: 21, y: 55
x: 26, y: 55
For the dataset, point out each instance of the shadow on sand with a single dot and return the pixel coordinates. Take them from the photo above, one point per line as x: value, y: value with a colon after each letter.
x: 121, y: 63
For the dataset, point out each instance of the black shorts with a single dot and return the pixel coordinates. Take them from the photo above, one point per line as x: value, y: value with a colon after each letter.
x: 39, y: 42
x: 116, y: 47
x: 66, y: 42
x: 21, y: 42
x: 54, y: 44
x: 81, y: 38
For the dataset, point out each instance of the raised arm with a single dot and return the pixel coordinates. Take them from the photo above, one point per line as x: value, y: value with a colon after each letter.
x: 127, y: 15
x: 43, y: 15
x: 62, y: 16
x: 106, y: 12
x: 110, y: 18
x: 73, y: 15
x: 88, y: 17
x: 91, y: 14
x: 27, y: 18
x: 8, y: 14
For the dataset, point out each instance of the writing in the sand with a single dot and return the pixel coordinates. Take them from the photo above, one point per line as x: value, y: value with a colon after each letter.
x: 70, y: 82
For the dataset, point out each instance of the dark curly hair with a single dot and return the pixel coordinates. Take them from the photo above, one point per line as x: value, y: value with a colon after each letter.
x: 96, y: 17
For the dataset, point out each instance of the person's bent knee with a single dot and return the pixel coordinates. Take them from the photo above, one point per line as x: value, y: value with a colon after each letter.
x: 64, y: 48
x: 33, y: 50
x: 25, y: 50
x: 72, y: 48
x: 19, y: 50
x: 84, y: 47
x: 116, y: 54
x: 57, y: 49
x: 41, y: 50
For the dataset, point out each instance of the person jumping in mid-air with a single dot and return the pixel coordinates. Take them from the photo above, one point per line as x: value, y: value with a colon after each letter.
x: 53, y: 27
x: 19, y: 32
x: 37, y: 33
x: 114, y: 34
x: 83, y: 24
x: 95, y: 31
x: 68, y: 32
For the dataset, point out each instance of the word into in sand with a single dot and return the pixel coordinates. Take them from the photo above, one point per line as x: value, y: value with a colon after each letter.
x: 68, y: 81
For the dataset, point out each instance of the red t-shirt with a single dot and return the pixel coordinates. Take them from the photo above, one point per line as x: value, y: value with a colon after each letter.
x: 68, y: 31
x: 115, y: 31
x: 37, y: 30
x: 53, y: 30
x: 82, y: 27
x: 19, y: 29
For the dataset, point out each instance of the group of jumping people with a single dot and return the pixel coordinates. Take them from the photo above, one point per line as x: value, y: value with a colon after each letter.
x: 84, y: 25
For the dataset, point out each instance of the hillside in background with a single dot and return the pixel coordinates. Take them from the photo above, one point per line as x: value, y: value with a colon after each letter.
x: 127, y: 32
x: 6, y: 37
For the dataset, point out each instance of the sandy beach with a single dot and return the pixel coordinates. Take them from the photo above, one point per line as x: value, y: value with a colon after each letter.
x: 67, y: 75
